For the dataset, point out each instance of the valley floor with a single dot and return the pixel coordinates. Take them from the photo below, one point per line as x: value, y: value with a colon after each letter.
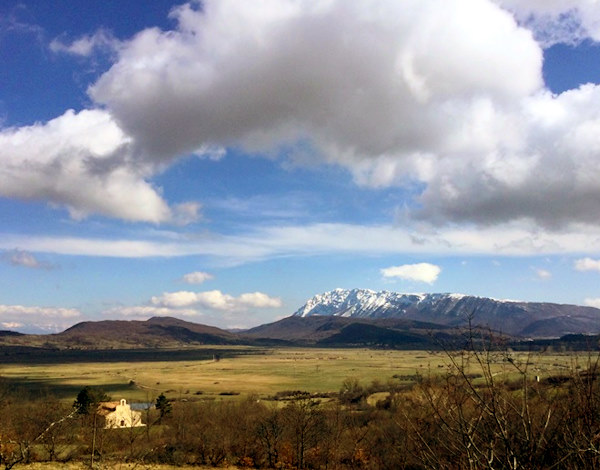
x: 260, y: 372
x: 303, y: 408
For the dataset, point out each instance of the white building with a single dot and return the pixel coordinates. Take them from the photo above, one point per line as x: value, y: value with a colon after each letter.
x: 119, y: 415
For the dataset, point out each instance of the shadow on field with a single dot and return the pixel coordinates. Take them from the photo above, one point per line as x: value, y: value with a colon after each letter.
x: 45, y: 388
x: 30, y: 355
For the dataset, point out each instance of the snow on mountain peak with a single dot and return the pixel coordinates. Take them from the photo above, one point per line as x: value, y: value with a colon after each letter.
x: 368, y: 303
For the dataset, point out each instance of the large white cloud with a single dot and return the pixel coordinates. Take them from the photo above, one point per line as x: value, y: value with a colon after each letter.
x: 359, y: 79
x: 82, y: 161
x: 541, y: 163
x: 85, y: 162
x: 448, y: 93
x: 445, y: 93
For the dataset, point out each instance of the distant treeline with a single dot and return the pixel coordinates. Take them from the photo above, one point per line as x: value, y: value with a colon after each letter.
x: 37, y: 355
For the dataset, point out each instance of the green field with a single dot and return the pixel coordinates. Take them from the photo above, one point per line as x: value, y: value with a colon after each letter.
x: 260, y: 371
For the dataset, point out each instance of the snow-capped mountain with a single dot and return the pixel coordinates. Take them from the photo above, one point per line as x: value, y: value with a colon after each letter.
x: 368, y: 303
x: 507, y: 316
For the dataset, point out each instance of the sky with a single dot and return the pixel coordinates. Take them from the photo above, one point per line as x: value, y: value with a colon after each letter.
x: 223, y: 161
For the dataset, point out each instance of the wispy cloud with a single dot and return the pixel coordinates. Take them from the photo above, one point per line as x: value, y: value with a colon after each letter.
x: 101, y: 41
x: 11, y: 23
x: 186, y: 213
x: 25, y: 259
x: 557, y: 21
x: 197, y: 277
x: 319, y: 239
x: 295, y: 205
x: 543, y: 274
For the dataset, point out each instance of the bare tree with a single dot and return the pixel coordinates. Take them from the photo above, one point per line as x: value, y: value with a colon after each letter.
x: 304, y: 423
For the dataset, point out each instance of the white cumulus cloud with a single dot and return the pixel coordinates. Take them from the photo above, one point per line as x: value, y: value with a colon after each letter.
x: 148, y: 311
x: 85, y: 162
x: 49, y: 312
x: 37, y: 319
x: 260, y: 77
x: 215, y: 300
x: 259, y: 300
x: 592, y: 302
x: 444, y: 95
x: 176, y: 299
x: 540, y: 166
x: 421, y: 272
x: 587, y: 264
x: 488, y: 142
x: 76, y: 160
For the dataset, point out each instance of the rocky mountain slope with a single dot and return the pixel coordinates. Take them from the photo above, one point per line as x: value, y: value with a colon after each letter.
x: 529, y: 319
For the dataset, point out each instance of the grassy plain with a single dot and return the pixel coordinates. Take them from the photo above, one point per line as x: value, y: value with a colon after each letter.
x: 260, y: 371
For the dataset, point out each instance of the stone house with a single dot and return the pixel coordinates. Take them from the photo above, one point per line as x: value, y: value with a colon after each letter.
x: 118, y: 414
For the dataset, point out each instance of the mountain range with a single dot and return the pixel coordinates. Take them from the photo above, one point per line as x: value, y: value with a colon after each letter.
x: 516, y: 318
x: 357, y: 317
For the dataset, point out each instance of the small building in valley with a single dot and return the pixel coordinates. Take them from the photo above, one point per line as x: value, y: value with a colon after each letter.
x: 118, y: 414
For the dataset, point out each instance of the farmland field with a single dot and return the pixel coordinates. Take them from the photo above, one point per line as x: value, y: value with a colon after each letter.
x: 229, y: 373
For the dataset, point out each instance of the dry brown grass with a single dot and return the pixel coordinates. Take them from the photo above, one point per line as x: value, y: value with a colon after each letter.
x: 281, y: 369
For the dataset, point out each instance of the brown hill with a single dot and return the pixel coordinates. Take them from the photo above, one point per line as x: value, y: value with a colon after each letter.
x: 331, y: 330
x: 163, y: 332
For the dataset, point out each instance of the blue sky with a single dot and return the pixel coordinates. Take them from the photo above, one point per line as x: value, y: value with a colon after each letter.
x: 223, y: 161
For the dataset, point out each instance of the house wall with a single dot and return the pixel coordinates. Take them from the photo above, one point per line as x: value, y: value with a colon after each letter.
x: 123, y: 417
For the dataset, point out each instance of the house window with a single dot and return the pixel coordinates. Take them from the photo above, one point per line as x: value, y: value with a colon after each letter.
x: 122, y: 423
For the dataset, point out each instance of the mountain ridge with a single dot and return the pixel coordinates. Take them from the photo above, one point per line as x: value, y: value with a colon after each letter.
x: 513, y: 317
x: 355, y: 317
